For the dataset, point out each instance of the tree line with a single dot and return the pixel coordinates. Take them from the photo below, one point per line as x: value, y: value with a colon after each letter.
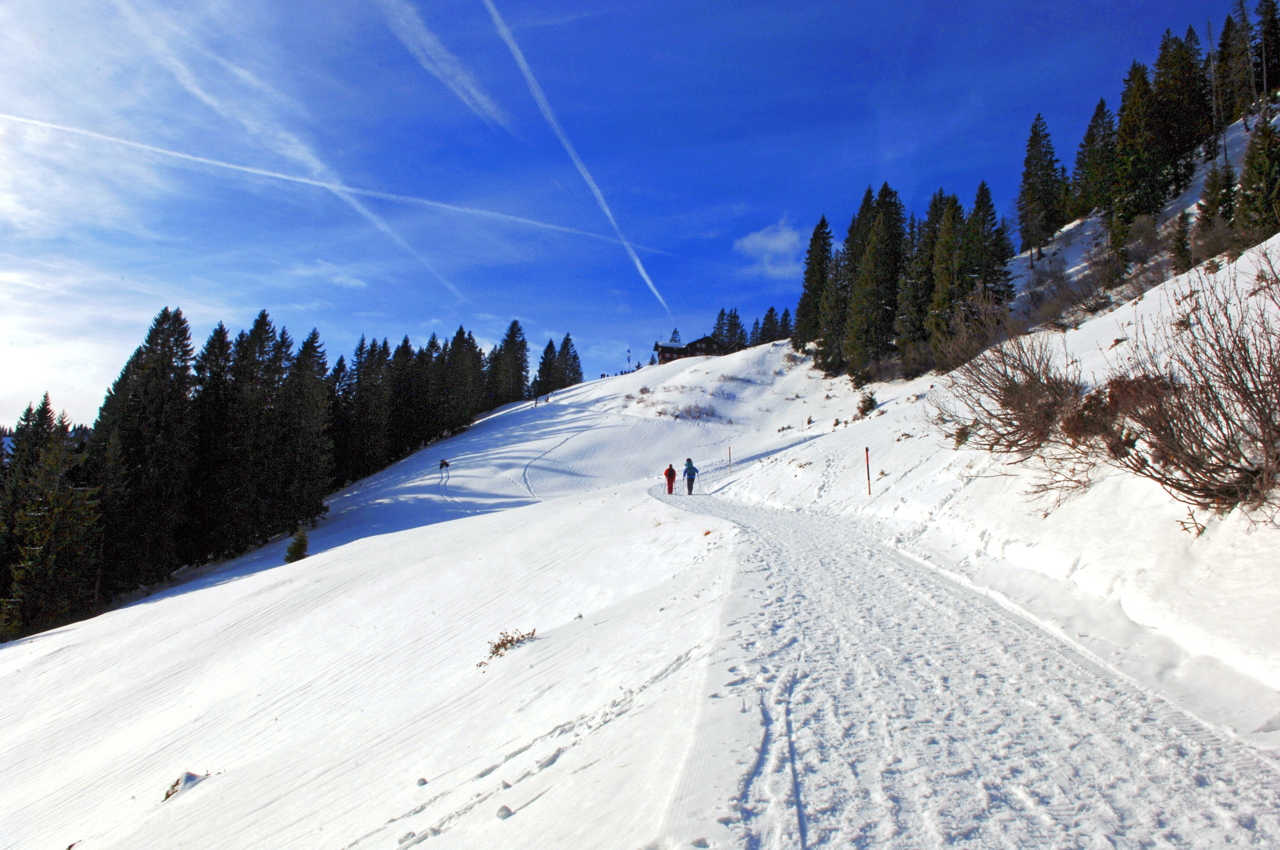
x: 200, y: 456
x: 899, y: 292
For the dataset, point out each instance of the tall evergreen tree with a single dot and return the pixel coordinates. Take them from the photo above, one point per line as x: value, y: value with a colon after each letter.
x: 950, y: 286
x: 35, y: 432
x: 550, y: 376
x: 784, y: 324
x: 1140, y: 178
x: 769, y: 329
x: 141, y: 454
x: 1093, y: 182
x: 734, y: 331
x: 873, y: 295
x: 833, y: 311
x: 1041, y: 195
x: 720, y: 330
x: 509, y: 367
x: 1267, y: 60
x: 1180, y: 109
x: 306, y: 448
x: 1257, y: 213
x: 568, y: 362
x: 915, y: 293
x: 57, y: 574
x: 987, y: 249
x: 214, y: 474
x: 817, y: 271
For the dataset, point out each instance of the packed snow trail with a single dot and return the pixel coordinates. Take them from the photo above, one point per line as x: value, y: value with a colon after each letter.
x: 898, y: 709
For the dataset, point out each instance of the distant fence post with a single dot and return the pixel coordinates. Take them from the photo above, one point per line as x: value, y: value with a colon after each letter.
x: 868, y: 449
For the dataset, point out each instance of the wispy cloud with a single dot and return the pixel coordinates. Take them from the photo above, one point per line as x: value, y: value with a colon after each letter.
x: 775, y: 251
x: 536, y: 90
x: 431, y: 53
x: 330, y: 272
x: 266, y: 131
x: 335, y: 187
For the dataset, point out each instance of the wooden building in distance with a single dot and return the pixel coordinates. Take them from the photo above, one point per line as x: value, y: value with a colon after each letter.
x: 703, y: 347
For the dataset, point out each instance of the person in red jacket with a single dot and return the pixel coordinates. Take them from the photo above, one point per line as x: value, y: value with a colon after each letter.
x: 670, y: 475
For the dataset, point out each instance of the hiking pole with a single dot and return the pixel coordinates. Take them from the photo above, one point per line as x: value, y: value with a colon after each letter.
x: 868, y: 470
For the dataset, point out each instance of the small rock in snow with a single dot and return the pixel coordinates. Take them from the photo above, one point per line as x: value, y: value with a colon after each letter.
x: 504, y: 813
x: 421, y: 782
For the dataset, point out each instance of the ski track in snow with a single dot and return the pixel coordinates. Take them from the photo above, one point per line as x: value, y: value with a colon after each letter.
x: 901, y: 710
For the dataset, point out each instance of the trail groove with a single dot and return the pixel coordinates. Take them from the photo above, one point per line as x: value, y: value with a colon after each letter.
x: 903, y: 711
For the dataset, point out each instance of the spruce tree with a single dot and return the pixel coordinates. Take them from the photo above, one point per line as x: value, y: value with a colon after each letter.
x: 817, y: 271
x: 785, y: 329
x: 1218, y: 195
x: 950, y: 288
x: 915, y: 293
x: 34, y: 433
x: 550, y: 376
x: 305, y: 445
x: 1093, y: 182
x: 753, y: 338
x: 214, y: 473
x: 833, y: 310
x: 56, y: 576
x: 1140, y: 180
x: 1041, y: 195
x: 402, y: 427
x: 987, y: 249
x: 1180, y: 109
x: 720, y: 330
x: 569, y: 364
x: 735, y: 333
x: 1268, y: 45
x: 142, y: 455
x: 873, y: 295
x: 769, y: 328
x: 1257, y: 213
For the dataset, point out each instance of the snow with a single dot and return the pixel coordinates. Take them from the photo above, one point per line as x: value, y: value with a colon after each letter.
x: 778, y: 661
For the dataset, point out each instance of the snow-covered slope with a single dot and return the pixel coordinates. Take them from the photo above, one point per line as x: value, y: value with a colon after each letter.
x: 780, y: 661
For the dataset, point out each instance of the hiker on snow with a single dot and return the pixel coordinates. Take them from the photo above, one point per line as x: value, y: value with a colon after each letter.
x: 670, y: 475
x: 690, y: 473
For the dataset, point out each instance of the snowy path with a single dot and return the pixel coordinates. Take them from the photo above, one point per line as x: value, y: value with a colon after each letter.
x: 898, y: 709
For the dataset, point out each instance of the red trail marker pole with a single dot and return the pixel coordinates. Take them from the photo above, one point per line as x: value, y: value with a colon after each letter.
x: 868, y: 470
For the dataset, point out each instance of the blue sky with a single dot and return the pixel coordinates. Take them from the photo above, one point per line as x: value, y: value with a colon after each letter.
x: 393, y: 167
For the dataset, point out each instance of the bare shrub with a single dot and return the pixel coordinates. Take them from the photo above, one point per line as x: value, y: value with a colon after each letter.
x: 1012, y: 396
x: 1212, y: 237
x: 1199, y: 410
x: 506, y: 640
x: 917, y: 358
x: 645, y: 391
x: 697, y: 411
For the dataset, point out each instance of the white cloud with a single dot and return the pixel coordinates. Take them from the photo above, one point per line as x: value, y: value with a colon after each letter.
x: 776, y: 251
x: 330, y: 273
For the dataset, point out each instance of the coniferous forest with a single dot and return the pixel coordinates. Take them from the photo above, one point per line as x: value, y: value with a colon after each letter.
x: 902, y: 294
x: 201, y: 455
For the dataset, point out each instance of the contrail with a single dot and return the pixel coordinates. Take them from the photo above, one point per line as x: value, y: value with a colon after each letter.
x: 432, y: 55
x: 536, y: 91
x: 276, y: 138
x: 336, y: 188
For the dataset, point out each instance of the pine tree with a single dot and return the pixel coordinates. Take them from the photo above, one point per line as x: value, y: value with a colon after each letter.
x: 509, y: 367
x: 987, y: 249
x: 401, y: 421
x: 1268, y: 45
x: 1180, y: 246
x: 949, y: 283
x: 915, y: 293
x: 873, y: 294
x: 1218, y: 196
x: 769, y: 328
x: 142, y: 454
x: 1093, y: 183
x: 56, y: 576
x: 734, y: 333
x: 1242, y: 85
x: 306, y: 448
x: 720, y: 330
x: 550, y: 376
x: 675, y: 336
x: 570, y: 365
x: 785, y: 329
x: 817, y: 271
x: 35, y: 432
x: 833, y: 310
x: 297, y: 549
x: 1040, y: 197
x: 753, y: 338
x: 1140, y: 181
x: 214, y: 469
x: 1257, y: 213
x: 1180, y: 109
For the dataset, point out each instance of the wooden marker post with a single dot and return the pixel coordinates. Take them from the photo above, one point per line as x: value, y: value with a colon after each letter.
x: 731, y: 460
x: 868, y: 470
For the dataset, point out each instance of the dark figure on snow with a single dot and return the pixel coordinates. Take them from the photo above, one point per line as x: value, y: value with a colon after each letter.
x: 444, y: 464
x: 670, y: 475
x: 690, y: 473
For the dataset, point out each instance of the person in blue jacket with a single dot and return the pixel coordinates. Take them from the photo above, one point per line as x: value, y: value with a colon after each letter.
x: 690, y: 473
